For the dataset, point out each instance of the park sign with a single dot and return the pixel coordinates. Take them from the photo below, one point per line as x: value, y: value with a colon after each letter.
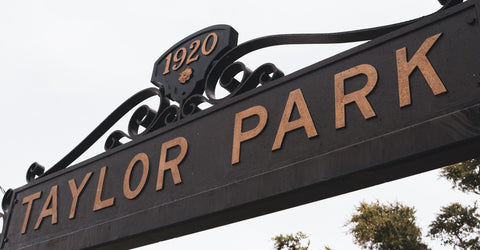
x: 403, y: 103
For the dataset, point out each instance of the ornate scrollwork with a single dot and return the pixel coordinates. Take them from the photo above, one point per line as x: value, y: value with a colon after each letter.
x: 37, y: 170
x: 146, y: 118
x: 151, y: 120
x: 191, y: 105
x: 250, y: 80
x: 191, y: 80
x: 7, y: 200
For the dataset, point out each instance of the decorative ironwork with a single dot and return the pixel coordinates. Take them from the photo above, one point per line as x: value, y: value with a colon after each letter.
x: 189, y: 72
x: 1, y: 214
x: 449, y: 3
x: 181, y: 71
x: 1, y: 218
x: 7, y: 200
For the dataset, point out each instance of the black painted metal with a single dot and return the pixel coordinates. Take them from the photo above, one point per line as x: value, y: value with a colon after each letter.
x: 35, y: 168
x: 1, y: 218
x: 432, y: 132
x: 343, y: 37
x: 224, y: 70
x: 179, y: 92
x: 449, y: 3
x: 7, y: 200
x: 1, y: 214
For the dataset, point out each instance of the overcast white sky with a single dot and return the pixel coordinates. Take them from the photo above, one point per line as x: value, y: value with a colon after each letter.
x: 65, y: 65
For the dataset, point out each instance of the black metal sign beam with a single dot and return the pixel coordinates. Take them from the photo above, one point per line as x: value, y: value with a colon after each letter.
x: 402, y: 104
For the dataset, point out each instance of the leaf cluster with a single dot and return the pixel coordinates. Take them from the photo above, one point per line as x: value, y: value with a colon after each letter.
x: 291, y: 241
x: 391, y: 226
x: 464, y: 175
x: 458, y: 226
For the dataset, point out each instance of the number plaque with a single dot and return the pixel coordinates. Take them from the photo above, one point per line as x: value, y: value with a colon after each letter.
x: 181, y: 71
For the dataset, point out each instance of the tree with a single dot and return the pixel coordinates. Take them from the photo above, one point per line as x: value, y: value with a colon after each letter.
x: 464, y: 175
x: 458, y: 226
x: 392, y: 226
x: 291, y: 241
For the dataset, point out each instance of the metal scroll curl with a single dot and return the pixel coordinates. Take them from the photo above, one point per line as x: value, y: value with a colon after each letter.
x: 249, y: 80
x: 146, y: 118
x: 3, y: 223
x: 6, y: 203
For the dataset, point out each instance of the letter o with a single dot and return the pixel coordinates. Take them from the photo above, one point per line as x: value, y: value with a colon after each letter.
x: 130, y: 194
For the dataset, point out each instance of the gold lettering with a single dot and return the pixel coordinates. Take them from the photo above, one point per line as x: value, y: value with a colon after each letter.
x: 172, y: 164
x: 52, y: 211
x: 359, y: 96
x: 76, y: 192
x: 294, y: 98
x: 99, y: 204
x: 129, y: 194
x: 29, y: 200
x: 239, y: 136
x: 420, y: 60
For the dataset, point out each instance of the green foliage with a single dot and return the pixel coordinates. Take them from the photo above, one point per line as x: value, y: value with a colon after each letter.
x: 458, y: 226
x: 291, y: 241
x: 392, y: 226
x: 464, y: 175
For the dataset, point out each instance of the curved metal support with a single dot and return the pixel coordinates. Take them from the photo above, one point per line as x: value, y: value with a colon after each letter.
x: 33, y: 171
x: 268, y: 41
x: 3, y: 224
x: 229, y: 58
x: 7, y: 199
x: 449, y: 3
x: 99, y: 131
x: 6, y: 203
